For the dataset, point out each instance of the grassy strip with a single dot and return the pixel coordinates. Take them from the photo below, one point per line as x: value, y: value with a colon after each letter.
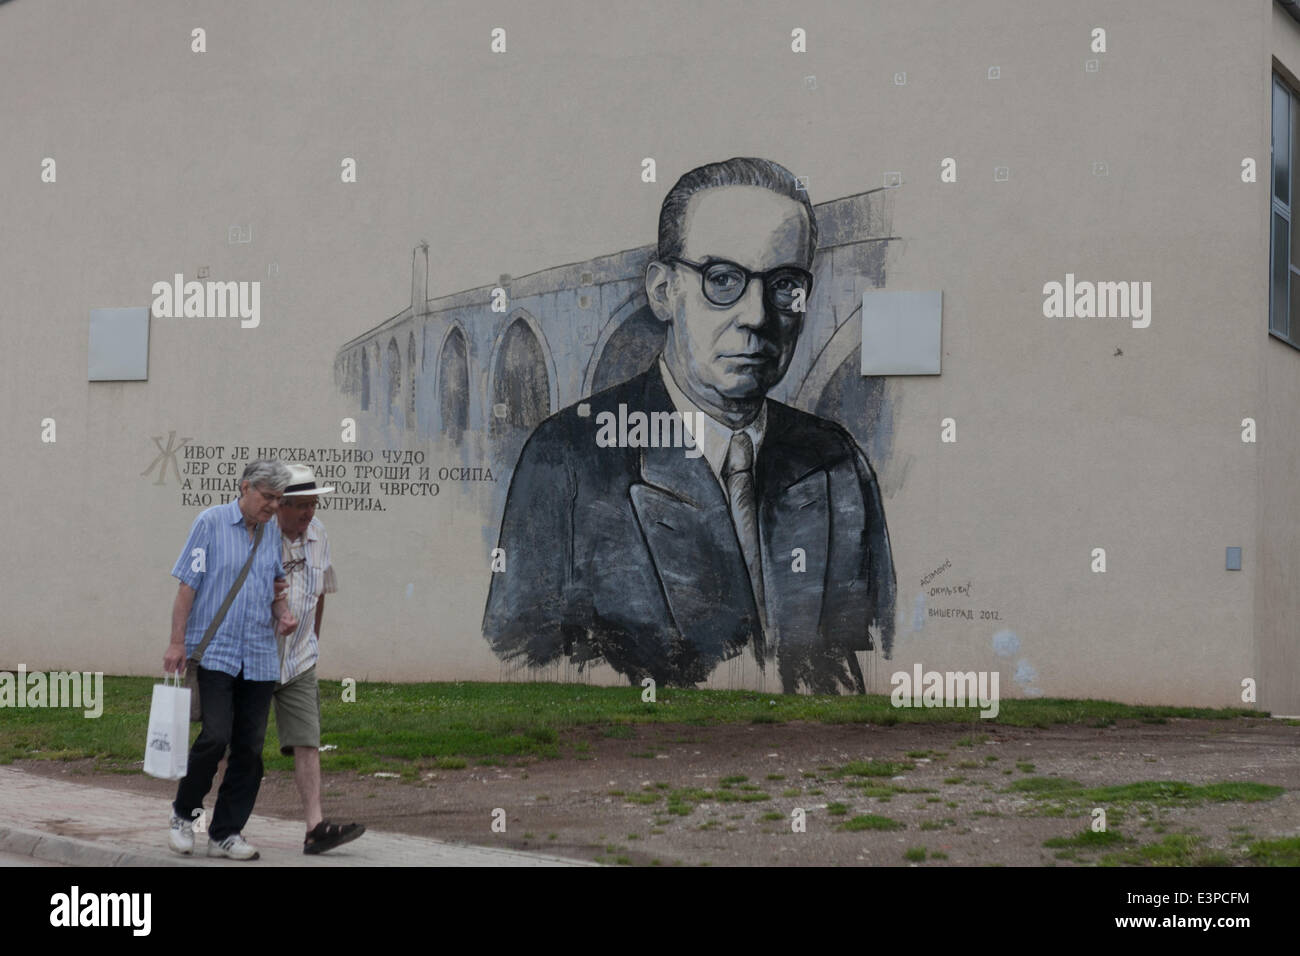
x: 1280, y: 852
x: 872, y: 821
x: 1181, y: 849
x: 1157, y: 793
x: 406, y: 728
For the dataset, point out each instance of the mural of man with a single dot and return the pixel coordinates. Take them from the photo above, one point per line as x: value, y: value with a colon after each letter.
x: 767, y: 538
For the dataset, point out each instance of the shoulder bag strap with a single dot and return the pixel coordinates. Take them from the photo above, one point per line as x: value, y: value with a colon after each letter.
x: 230, y: 598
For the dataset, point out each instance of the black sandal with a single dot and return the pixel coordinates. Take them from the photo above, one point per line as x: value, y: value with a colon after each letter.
x: 326, y: 836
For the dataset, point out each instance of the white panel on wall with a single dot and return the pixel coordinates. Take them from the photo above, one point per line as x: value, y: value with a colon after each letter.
x: 901, y: 333
x: 119, y: 345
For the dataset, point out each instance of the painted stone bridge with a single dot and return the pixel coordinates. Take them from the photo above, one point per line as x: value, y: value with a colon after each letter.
x: 452, y: 372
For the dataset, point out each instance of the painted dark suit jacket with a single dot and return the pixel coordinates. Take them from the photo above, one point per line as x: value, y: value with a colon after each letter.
x: 630, y: 555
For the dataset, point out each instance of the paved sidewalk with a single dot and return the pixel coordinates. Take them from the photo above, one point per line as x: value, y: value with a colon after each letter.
x: 82, y: 825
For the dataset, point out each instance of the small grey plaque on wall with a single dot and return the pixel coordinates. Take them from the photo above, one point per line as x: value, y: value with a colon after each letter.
x: 901, y: 333
x: 119, y: 345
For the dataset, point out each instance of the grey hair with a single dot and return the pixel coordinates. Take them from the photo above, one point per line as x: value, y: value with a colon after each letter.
x: 737, y: 171
x: 265, y: 473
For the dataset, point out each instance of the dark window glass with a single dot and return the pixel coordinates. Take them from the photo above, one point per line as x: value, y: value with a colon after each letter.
x: 1280, y: 293
x: 1295, y: 300
x: 1281, y: 143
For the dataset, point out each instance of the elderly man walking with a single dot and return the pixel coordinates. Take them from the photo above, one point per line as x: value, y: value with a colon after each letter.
x: 306, y: 557
x: 225, y: 616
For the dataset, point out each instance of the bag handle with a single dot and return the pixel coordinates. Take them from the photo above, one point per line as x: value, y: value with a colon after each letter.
x: 230, y: 598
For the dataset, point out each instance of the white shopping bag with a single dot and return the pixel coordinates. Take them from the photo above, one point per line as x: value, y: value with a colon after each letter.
x: 167, y: 748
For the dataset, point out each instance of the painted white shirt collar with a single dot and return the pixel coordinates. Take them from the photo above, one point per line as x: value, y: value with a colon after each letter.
x: 717, y: 436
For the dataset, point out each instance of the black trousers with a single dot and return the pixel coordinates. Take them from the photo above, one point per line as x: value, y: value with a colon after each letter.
x: 234, y: 716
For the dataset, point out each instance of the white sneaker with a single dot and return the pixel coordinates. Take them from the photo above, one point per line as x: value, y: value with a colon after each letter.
x: 181, y: 836
x: 233, y: 846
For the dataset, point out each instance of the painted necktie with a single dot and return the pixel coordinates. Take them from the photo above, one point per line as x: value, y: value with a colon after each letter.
x: 738, y: 473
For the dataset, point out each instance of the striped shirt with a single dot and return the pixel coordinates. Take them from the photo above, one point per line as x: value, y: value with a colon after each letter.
x: 307, y: 561
x: 217, y: 548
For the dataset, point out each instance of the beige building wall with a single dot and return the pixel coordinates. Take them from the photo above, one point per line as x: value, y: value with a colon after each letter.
x: 1072, y: 434
x: 1277, y: 600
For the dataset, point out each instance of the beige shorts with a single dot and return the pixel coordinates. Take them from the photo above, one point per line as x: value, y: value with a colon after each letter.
x: 297, y: 712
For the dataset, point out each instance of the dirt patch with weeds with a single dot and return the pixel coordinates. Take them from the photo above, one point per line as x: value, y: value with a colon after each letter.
x: 908, y: 794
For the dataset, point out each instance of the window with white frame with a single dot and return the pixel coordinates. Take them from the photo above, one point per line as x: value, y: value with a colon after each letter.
x: 1284, y: 243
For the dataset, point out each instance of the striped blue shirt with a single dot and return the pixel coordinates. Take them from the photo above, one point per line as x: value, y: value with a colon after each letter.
x: 217, y: 548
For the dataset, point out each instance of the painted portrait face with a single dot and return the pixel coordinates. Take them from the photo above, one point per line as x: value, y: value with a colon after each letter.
x: 736, y: 351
